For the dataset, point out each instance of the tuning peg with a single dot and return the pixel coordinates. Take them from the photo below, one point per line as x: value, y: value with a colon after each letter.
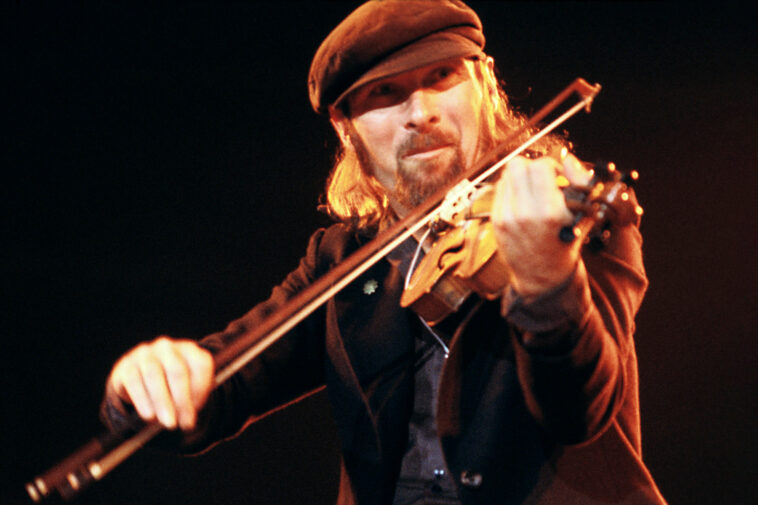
x: 630, y: 178
x: 604, y: 170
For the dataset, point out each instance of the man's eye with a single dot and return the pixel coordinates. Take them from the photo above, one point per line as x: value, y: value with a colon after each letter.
x: 382, y: 90
x: 441, y: 74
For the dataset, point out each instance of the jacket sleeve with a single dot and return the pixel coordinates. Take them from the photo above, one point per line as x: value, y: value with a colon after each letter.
x: 574, y: 346
x: 291, y: 368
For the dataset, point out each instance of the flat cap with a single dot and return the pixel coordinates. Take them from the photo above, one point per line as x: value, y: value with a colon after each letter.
x: 386, y: 37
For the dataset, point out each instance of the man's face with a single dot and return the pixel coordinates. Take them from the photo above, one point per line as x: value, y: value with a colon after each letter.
x: 417, y: 130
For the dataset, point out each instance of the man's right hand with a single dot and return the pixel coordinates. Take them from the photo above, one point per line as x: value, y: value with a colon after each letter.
x: 166, y: 380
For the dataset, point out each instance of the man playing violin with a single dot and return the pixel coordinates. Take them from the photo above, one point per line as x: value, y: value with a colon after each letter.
x: 531, y: 398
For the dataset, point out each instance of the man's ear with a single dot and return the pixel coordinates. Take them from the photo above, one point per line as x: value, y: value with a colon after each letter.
x: 339, y: 122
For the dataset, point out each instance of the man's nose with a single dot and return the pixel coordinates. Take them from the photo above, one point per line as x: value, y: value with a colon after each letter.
x: 421, y: 109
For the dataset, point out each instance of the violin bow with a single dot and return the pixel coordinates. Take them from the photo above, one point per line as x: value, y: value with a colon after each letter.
x: 92, y: 461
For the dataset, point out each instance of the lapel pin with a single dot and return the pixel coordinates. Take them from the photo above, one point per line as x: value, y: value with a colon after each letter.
x: 369, y: 288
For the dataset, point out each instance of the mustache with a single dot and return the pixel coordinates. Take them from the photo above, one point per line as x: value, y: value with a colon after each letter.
x: 419, y: 142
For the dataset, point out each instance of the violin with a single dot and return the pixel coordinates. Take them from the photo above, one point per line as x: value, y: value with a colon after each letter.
x: 463, y: 258
x: 460, y: 206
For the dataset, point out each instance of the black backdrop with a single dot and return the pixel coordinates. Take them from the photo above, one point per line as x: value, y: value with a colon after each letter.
x: 161, y: 172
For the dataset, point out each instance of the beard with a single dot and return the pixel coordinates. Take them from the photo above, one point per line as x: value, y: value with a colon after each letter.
x: 416, y: 180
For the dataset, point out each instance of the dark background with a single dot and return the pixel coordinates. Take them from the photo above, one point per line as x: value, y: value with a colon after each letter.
x: 161, y: 172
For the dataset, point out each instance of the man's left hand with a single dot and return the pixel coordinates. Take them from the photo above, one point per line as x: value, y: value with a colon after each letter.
x: 528, y: 212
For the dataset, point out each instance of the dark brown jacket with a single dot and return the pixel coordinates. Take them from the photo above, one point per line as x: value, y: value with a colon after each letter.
x: 538, y: 407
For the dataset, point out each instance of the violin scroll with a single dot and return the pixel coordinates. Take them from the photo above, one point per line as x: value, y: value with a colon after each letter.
x: 605, y: 200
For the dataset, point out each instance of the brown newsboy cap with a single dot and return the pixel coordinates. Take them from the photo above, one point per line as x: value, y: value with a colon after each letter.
x: 386, y: 37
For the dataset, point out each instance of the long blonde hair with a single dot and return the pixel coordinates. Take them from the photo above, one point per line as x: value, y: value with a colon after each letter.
x: 356, y: 198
